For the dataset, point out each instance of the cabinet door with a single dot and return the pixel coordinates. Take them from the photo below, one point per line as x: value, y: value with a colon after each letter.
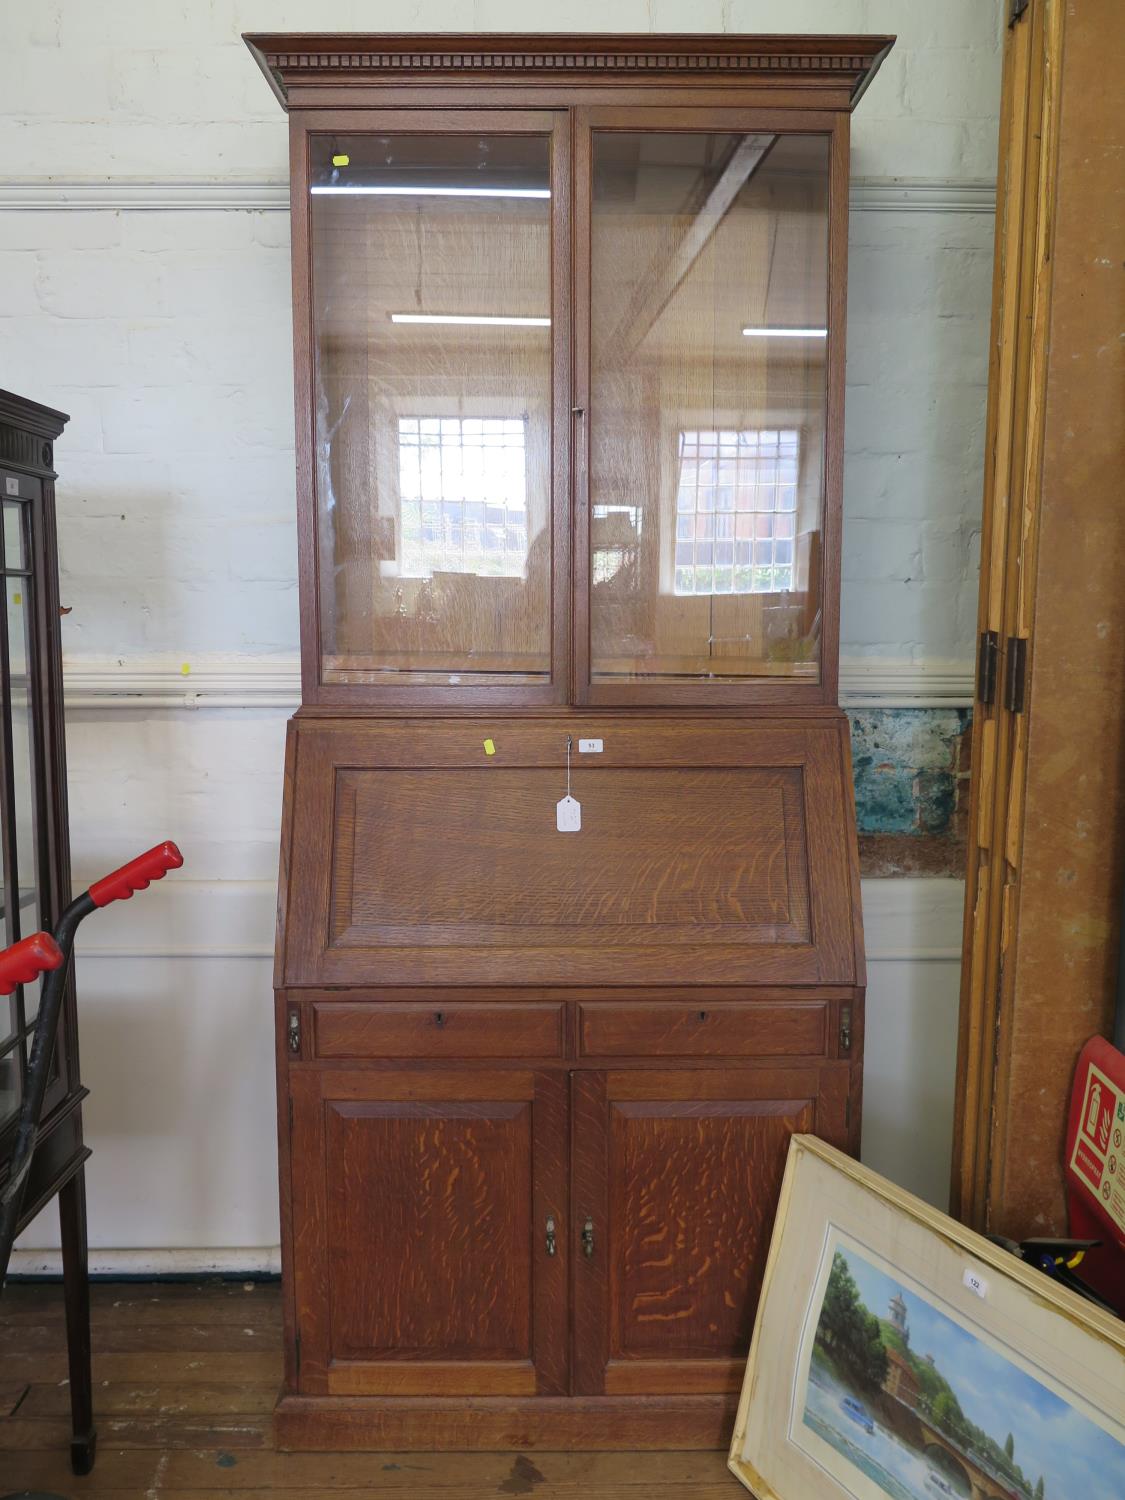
x: 29, y: 832
x: 438, y: 402
x: 676, y: 1179
x: 421, y: 1258
x: 710, y: 466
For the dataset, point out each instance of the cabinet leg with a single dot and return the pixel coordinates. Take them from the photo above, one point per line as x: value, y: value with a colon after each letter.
x: 76, y: 1288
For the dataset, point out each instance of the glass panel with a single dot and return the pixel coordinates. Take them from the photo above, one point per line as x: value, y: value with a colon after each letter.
x: 431, y: 275
x: 32, y: 994
x: 11, y: 1079
x: 19, y: 614
x: 13, y: 539
x: 708, y: 336
x: 8, y: 1019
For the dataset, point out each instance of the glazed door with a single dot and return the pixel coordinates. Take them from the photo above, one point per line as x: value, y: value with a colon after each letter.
x: 676, y: 1179
x: 434, y: 471
x: 432, y: 1254
x: 29, y: 853
x: 708, y: 471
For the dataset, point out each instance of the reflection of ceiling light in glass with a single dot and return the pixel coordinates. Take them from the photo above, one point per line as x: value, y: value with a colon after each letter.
x: 360, y: 189
x: 476, y: 319
x: 785, y: 333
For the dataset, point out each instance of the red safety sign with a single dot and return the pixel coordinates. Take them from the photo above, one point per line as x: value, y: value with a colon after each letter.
x: 1095, y: 1167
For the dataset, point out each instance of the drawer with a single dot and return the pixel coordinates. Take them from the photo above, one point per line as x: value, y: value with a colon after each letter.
x: 703, y: 1028
x: 432, y: 1029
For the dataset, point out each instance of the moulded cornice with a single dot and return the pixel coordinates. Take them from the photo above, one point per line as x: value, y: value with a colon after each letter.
x: 327, y: 58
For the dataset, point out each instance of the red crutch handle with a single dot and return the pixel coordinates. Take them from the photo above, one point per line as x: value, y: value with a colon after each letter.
x: 25, y: 961
x: 135, y: 876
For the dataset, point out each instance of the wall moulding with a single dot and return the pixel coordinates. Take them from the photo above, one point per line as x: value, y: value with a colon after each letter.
x: 274, y: 682
x: 907, y: 920
x: 868, y: 195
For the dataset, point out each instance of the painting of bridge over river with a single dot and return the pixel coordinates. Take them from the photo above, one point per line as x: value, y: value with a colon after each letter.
x: 909, y: 1403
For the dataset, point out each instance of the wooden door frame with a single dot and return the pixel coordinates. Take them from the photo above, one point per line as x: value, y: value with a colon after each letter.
x: 1016, y: 387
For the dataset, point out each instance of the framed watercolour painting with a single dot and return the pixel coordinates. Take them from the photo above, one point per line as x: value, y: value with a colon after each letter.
x: 900, y: 1356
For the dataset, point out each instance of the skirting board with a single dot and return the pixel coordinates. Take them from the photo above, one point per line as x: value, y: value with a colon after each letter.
x: 263, y: 1260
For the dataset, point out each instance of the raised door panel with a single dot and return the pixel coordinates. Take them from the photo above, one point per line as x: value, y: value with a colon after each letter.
x: 676, y: 1179
x: 421, y: 1261
x: 430, y: 854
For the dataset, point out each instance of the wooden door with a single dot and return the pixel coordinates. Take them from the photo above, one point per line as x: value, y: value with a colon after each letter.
x: 675, y: 1180
x: 1046, y: 837
x: 422, y: 1263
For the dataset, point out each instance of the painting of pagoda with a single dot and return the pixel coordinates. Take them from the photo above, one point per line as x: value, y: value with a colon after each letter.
x: 909, y: 1403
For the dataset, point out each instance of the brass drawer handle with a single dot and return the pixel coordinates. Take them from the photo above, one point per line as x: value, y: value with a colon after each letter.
x: 588, y: 1237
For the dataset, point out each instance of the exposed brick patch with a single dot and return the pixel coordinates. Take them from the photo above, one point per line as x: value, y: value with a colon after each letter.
x: 911, y: 784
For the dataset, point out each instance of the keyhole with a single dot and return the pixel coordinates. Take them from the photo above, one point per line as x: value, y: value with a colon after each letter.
x: 439, y: 1018
x: 703, y: 1015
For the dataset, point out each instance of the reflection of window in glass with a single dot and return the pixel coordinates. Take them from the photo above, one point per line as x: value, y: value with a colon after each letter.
x: 616, y: 537
x: 463, y: 495
x: 736, y: 512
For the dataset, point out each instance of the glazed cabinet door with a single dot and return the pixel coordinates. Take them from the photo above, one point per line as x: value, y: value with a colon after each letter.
x: 707, y: 554
x: 434, y: 467
x: 430, y: 1253
x: 675, y: 1182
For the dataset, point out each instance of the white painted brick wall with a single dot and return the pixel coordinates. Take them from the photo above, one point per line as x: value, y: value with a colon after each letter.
x: 166, y: 336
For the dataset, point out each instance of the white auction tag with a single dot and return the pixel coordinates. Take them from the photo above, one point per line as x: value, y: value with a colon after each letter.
x: 11, y: 486
x: 589, y: 747
x: 568, y: 815
x: 975, y: 1282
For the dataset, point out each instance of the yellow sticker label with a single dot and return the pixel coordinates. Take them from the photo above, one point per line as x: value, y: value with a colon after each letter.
x: 341, y: 161
x: 185, y: 670
x: 18, y: 599
x: 489, y: 748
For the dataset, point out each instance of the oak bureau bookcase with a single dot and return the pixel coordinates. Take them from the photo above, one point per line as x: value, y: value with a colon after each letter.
x: 569, y: 927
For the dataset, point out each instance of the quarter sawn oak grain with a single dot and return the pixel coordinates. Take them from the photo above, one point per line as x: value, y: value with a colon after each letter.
x: 535, y: 1089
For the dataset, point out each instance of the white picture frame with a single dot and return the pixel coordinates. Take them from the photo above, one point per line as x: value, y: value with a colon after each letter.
x: 977, y: 1376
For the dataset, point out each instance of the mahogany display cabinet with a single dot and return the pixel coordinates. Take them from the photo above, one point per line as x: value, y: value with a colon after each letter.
x: 35, y: 882
x: 569, y: 932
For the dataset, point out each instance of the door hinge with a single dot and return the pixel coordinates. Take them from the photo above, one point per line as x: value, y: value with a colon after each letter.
x: 1015, y: 678
x: 845, y: 1030
x: 988, y: 654
x: 297, y: 1349
x: 290, y: 1114
x: 1017, y: 10
x: 848, y: 1112
x: 293, y: 1031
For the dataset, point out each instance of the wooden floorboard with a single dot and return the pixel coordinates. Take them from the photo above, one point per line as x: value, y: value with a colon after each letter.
x: 185, y: 1377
